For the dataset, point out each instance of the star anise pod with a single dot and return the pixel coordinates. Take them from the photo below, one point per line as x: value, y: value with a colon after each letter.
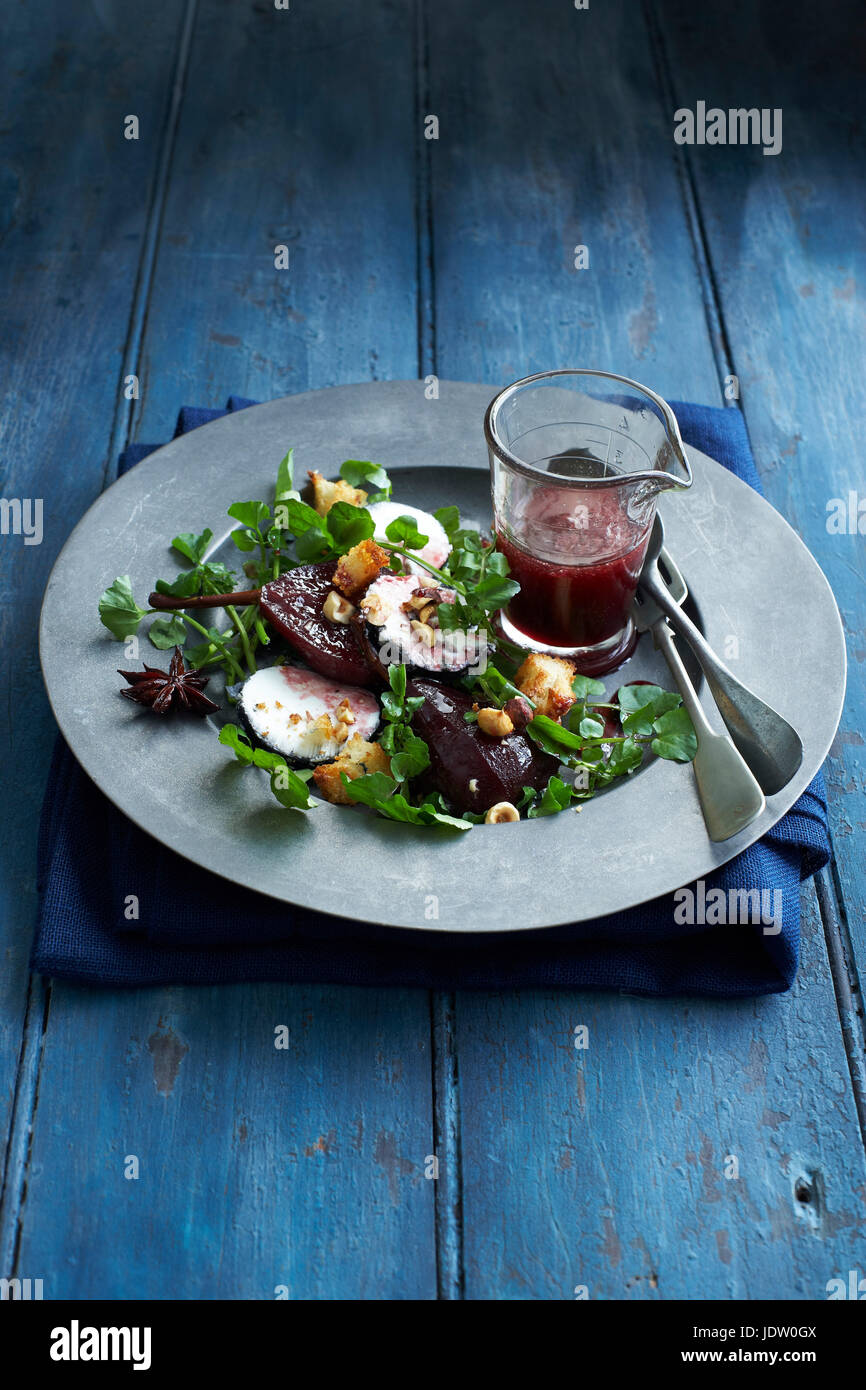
x: 176, y: 688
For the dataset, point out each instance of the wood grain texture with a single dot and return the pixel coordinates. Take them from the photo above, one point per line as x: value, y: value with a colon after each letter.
x: 73, y: 201
x: 787, y: 238
x: 303, y: 1169
x: 552, y: 136
x: 604, y: 1199
x: 298, y: 130
x: 606, y: 1167
x: 259, y: 1167
x: 315, y: 1182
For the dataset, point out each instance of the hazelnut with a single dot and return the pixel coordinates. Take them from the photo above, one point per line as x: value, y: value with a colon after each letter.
x: 519, y: 711
x: 501, y: 814
x: 495, y: 722
x: 424, y: 633
x: 336, y: 608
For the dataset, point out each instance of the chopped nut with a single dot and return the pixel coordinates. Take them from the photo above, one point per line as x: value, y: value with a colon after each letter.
x: 473, y: 785
x: 502, y: 813
x: 336, y: 608
x: 345, y: 713
x: 427, y: 613
x: 373, y: 610
x: 519, y: 711
x: 423, y: 632
x: 495, y: 722
x: 261, y: 705
x: 278, y: 703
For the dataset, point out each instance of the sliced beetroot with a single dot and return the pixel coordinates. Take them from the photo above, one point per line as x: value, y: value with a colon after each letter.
x: 472, y: 770
x: 293, y: 605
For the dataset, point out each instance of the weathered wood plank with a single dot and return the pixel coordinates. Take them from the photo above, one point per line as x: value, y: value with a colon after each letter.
x: 579, y: 1168
x: 549, y: 139
x: 73, y: 204
x: 259, y: 1167
x: 303, y: 1168
x: 787, y: 235
x: 607, y: 1167
x: 299, y: 131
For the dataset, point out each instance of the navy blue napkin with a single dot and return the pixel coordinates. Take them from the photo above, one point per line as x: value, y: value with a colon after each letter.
x: 203, y: 930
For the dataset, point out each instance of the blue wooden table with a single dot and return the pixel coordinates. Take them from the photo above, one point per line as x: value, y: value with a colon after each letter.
x: 303, y: 1170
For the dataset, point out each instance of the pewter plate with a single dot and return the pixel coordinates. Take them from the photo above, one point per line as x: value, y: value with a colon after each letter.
x: 755, y: 586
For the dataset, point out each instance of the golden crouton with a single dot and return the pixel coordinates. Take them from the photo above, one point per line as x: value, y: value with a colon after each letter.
x: 357, y: 758
x: 359, y: 567
x: 546, y: 680
x: 326, y: 493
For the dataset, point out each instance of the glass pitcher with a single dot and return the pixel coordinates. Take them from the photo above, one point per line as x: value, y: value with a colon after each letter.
x: 577, y: 461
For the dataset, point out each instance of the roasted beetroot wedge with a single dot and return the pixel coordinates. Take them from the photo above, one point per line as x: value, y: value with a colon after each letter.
x: 294, y: 604
x: 472, y: 770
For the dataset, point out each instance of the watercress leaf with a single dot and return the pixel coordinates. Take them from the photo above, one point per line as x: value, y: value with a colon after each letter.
x: 290, y: 789
x: 398, y: 808
x: 403, y: 530
x: 312, y: 546
x: 675, y: 736
x: 556, y: 797
x: 495, y: 592
x: 410, y: 705
x: 497, y: 563
x: 244, y: 540
x: 301, y: 518
x: 640, y: 722
x: 216, y: 578
x: 349, y: 525
x: 392, y: 705
x: 166, y: 632
x: 449, y: 520
x: 449, y: 617
x: 187, y: 583
x: 498, y: 687
x: 285, y: 485
x: 371, y: 789
x: 191, y: 546
x: 234, y: 738
x: 118, y: 609
x: 397, y: 681
x: 590, y: 727
x: 357, y: 472
x: 542, y: 727
x: 413, y: 758
x: 584, y: 686
x: 388, y: 738
x: 250, y: 514
x: 635, y: 697
x: 454, y: 822
x: 624, y: 757
x: 263, y: 757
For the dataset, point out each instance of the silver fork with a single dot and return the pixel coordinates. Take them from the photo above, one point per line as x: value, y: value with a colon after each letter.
x: 730, y: 796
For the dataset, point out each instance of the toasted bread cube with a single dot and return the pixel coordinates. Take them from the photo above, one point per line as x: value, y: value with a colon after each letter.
x: 359, y: 567
x: 546, y: 680
x: 326, y: 493
x: 357, y: 758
